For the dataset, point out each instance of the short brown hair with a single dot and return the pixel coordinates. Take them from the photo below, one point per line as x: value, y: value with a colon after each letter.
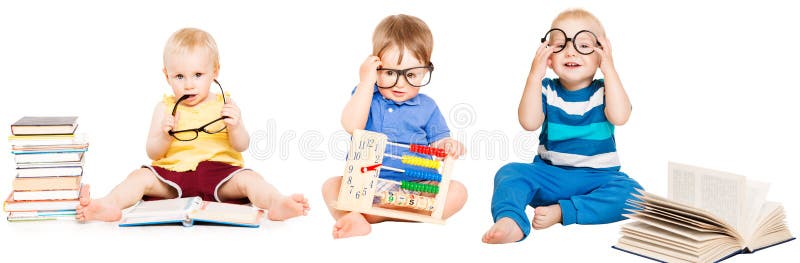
x: 187, y: 39
x: 403, y: 31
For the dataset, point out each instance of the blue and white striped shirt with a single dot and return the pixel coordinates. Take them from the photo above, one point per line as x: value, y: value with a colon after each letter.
x: 575, y: 132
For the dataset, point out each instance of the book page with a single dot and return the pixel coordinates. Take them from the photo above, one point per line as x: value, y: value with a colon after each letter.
x: 167, y: 207
x: 770, y: 227
x: 720, y: 193
x: 227, y: 213
x: 696, y: 239
x: 756, y: 198
x: 665, y: 205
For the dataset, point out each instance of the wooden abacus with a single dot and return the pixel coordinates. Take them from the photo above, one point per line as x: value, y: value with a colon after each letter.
x: 364, y: 162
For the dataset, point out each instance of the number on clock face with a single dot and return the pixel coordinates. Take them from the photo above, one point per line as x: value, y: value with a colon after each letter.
x: 366, y: 150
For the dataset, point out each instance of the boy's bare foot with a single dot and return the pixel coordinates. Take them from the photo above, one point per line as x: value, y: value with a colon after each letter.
x: 546, y: 216
x: 288, y: 207
x: 98, y: 209
x: 503, y: 231
x: 350, y: 225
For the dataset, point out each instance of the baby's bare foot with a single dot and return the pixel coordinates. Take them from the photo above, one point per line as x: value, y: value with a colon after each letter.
x: 98, y: 209
x: 350, y: 225
x: 503, y: 231
x: 546, y: 216
x: 288, y: 207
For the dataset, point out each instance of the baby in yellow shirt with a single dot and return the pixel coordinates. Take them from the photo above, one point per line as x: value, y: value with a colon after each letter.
x: 195, y: 142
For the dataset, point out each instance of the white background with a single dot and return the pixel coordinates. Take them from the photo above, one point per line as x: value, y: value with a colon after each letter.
x: 712, y: 84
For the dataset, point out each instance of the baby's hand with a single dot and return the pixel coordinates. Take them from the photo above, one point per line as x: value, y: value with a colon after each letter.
x: 540, y: 61
x: 170, y: 122
x: 604, y: 51
x: 452, y: 147
x: 368, y: 73
x: 233, y: 114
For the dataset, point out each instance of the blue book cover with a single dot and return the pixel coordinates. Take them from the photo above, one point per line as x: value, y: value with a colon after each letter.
x: 51, y: 151
x: 649, y: 254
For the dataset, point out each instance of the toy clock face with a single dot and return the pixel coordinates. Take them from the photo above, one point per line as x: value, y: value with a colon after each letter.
x: 357, y: 184
x: 366, y: 150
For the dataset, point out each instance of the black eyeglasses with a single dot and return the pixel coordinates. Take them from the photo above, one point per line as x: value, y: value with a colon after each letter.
x: 584, y: 41
x: 212, y: 127
x: 416, y: 76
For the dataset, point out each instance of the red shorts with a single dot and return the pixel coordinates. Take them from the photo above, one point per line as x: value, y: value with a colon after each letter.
x: 204, y: 181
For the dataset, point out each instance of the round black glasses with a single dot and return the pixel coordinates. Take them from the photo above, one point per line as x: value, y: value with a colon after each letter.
x: 212, y: 127
x: 584, y: 41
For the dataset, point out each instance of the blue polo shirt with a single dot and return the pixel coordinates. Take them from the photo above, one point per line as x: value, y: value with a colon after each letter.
x: 415, y: 121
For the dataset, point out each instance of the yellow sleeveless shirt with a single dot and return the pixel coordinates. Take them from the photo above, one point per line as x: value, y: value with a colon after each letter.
x: 185, y: 155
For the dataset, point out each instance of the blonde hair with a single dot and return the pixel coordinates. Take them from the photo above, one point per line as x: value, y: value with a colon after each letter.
x: 403, y: 32
x: 187, y: 40
x: 578, y: 13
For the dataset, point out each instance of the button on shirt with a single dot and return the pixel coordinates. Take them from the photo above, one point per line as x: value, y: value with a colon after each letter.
x: 415, y: 121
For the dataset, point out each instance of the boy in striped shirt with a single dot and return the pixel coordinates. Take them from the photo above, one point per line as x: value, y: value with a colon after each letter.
x: 575, y: 177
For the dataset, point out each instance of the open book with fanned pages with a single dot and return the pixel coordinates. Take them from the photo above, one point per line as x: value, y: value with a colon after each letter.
x: 709, y: 216
x: 189, y: 211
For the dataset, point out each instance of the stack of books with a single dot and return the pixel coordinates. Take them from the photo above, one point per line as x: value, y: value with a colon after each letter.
x: 49, y: 157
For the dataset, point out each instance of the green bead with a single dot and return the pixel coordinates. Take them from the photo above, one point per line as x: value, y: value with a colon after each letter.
x: 418, y: 187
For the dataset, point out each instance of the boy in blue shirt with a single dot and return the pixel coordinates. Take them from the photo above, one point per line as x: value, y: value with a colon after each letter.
x: 386, y: 100
x: 575, y: 177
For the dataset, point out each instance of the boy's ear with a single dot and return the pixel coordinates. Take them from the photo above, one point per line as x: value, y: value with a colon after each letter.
x: 549, y: 63
x: 165, y: 73
x: 216, y: 71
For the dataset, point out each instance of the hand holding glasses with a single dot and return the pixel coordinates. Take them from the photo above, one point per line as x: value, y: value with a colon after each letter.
x: 416, y: 76
x: 584, y: 41
x: 212, y: 127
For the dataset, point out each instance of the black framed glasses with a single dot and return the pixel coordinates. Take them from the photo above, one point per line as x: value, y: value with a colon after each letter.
x: 416, y: 76
x: 584, y: 41
x: 212, y: 127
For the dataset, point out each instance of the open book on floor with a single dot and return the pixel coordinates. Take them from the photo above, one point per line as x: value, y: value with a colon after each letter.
x: 190, y: 210
x: 709, y: 216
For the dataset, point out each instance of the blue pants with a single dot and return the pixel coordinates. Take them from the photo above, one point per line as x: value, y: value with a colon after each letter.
x: 586, y: 196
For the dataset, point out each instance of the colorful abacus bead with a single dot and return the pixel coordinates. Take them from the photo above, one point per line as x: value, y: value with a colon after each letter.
x: 418, y: 187
x: 423, y: 175
x: 420, y: 162
x: 428, y: 150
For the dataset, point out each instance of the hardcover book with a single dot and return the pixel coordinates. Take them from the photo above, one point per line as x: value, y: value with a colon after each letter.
x: 709, y: 216
x: 189, y: 211
x: 44, y: 125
